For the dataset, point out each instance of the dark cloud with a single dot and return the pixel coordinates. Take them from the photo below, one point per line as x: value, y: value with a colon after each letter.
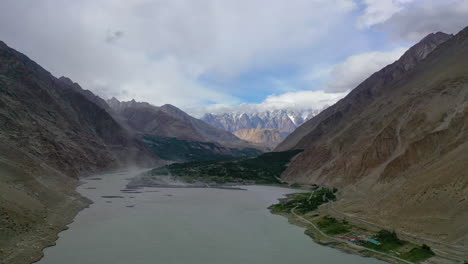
x: 420, y: 18
x: 113, y: 36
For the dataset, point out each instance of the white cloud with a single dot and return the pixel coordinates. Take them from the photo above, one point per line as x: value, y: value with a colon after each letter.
x: 303, y: 99
x: 299, y: 100
x: 378, y: 11
x: 355, y: 69
x: 163, y: 51
x: 160, y: 50
x: 342, y: 78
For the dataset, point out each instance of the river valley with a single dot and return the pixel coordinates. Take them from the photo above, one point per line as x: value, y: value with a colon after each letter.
x: 185, y: 225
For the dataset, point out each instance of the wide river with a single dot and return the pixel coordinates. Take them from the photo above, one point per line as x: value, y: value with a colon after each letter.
x: 185, y: 226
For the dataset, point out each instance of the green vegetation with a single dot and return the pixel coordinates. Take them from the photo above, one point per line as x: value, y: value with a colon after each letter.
x: 305, y: 202
x: 332, y: 226
x: 175, y: 149
x: 418, y: 254
x: 388, y: 239
x: 264, y: 169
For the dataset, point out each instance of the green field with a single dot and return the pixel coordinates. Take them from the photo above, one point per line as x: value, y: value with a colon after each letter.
x: 264, y: 169
x: 331, y: 226
x: 389, y: 241
x: 306, y: 202
x: 418, y: 254
x: 174, y: 149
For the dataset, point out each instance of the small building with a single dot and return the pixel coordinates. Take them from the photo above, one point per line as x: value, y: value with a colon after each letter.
x: 347, y: 238
x: 373, y: 241
x: 361, y: 238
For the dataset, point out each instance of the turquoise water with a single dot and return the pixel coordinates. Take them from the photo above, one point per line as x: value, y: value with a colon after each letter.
x: 175, y: 226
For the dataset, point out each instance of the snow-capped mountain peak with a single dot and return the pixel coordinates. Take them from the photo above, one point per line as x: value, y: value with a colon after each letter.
x: 283, y: 120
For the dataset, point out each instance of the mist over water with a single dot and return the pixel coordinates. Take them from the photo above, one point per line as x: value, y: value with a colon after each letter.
x: 185, y: 225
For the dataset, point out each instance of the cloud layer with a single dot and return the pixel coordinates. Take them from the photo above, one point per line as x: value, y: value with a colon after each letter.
x: 300, y: 100
x: 355, y: 69
x: 378, y: 11
x: 161, y: 51
x: 194, y: 54
x: 420, y: 18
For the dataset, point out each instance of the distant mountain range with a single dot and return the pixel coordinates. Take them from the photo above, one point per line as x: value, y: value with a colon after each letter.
x: 168, y: 121
x: 174, y: 135
x: 283, y: 120
x: 397, y: 145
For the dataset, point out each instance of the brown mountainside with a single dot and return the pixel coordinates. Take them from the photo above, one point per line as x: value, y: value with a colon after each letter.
x: 269, y: 138
x: 170, y: 121
x: 50, y: 133
x: 397, y: 145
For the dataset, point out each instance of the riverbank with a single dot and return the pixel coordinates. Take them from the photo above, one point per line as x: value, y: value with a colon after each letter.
x: 318, y: 237
x: 351, y: 238
x: 28, y: 247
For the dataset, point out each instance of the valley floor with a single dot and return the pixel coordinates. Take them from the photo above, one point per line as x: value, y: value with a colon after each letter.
x: 28, y: 248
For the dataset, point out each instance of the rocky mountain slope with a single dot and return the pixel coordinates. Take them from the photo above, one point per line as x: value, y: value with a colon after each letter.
x: 397, y: 145
x: 50, y: 133
x: 167, y: 126
x: 168, y: 121
x: 283, y: 120
x: 264, y: 137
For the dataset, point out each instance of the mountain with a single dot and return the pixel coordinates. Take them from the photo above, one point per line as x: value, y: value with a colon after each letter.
x: 67, y: 82
x: 283, y: 120
x: 397, y: 146
x: 51, y: 133
x: 265, y: 137
x: 169, y: 121
x: 171, y: 132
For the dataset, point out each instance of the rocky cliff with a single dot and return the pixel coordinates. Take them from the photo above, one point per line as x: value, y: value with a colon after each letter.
x: 50, y: 133
x: 269, y: 138
x: 397, y: 145
x: 168, y: 121
x: 168, y: 124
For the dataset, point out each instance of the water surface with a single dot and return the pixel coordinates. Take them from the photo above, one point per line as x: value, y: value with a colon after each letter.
x: 182, y: 226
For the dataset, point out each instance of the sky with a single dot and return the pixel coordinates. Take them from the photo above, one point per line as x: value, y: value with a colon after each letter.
x: 222, y: 55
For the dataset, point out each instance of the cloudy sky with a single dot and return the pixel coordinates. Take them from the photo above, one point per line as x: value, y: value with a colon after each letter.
x: 204, y: 55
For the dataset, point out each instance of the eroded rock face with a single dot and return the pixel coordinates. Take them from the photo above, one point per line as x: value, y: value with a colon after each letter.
x: 269, y: 138
x: 397, y: 145
x: 51, y: 132
x: 170, y: 121
x: 55, y: 121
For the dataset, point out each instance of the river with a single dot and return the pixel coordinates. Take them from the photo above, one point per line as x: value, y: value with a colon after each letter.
x: 185, y: 225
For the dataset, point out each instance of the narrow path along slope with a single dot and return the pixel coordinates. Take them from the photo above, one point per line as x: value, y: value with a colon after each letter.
x: 453, y: 247
x: 346, y: 242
